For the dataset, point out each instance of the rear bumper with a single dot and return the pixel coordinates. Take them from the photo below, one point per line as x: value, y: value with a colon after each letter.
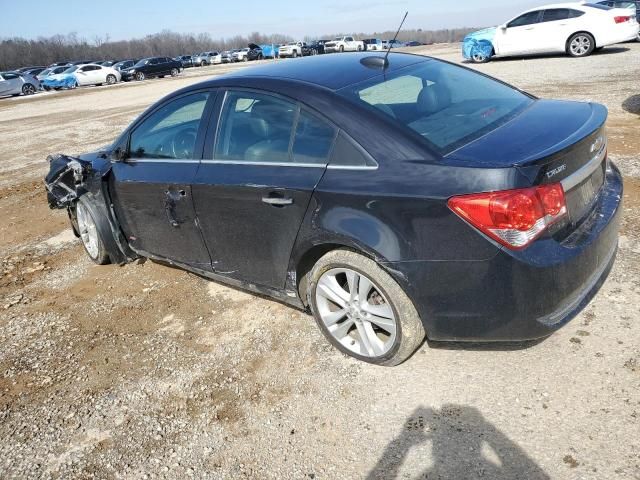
x: 623, y: 33
x: 521, y: 295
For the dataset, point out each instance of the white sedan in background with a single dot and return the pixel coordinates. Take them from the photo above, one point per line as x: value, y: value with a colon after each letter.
x: 97, y: 75
x: 573, y: 28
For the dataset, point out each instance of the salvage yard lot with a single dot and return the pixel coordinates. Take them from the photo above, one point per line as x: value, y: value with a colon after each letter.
x: 121, y: 372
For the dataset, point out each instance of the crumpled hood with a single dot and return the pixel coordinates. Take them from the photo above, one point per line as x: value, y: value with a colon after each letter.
x: 480, y: 42
x: 60, y: 80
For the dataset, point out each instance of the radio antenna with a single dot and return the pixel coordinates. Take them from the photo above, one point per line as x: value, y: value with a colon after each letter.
x: 394, y: 39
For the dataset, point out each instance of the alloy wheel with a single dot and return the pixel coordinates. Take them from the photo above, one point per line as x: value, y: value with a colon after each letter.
x: 356, y: 312
x: 87, y: 230
x: 580, y: 45
x: 28, y: 89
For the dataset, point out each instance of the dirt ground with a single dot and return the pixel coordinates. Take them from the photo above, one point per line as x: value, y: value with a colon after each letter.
x: 143, y: 371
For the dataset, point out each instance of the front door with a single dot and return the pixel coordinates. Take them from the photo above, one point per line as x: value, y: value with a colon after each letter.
x: 519, y: 37
x: 255, y: 183
x: 151, y: 189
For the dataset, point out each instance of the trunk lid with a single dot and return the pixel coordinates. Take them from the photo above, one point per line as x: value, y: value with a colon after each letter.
x: 551, y: 141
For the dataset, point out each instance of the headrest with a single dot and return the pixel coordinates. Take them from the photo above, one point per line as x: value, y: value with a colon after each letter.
x: 433, y: 98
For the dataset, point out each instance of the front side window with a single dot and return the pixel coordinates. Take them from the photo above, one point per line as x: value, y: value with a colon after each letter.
x: 526, y: 19
x: 446, y: 105
x: 170, y: 132
x: 256, y: 128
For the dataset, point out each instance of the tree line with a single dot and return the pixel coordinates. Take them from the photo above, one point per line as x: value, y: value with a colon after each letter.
x: 19, y: 52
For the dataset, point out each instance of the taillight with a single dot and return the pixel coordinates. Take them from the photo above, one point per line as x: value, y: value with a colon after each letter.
x: 621, y: 19
x: 514, y: 218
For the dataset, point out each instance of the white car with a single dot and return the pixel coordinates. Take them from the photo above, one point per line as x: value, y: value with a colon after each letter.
x: 290, y: 50
x: 575, y: 28
x: 97, y: 75
x: 215, y: 58
x: 240, y: 55
x: 344, y: 44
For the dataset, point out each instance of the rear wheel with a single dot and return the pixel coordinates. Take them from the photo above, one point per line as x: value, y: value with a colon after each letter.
x: 89, y: 234
x: 341, y: 48
x: 295, y: 54
x: 111, y: 79
x: 359, y: 48
x: 581, y: 44
x: 362, y: 310
x: 174, y: 72
x: 28, y: 89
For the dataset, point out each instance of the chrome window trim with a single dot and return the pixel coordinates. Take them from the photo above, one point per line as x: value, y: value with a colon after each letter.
x: 265, y: 164
x: 585, y: 171
x: 159, y: 160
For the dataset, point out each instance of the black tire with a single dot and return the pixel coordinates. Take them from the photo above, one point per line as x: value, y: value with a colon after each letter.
x: 359, y: 48
x: 341, y: 48
x: 174, y: 72
x: 46, y: 88
x: 101, y: 257
x: 580, y: 45
x: 28, y: 89
x: 260, y: 57
x: 111, y: 79
x: 410, y: 330
x: 295, y: 54
x: 140, y: 76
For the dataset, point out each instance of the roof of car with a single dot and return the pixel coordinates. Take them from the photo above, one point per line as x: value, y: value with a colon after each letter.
x: 329, y: 71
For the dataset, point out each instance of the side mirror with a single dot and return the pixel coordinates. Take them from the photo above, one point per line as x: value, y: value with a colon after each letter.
x: 503, y: 27
x: 118, y: 155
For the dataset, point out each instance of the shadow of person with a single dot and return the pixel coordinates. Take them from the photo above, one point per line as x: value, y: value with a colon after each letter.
x: 463, y: 446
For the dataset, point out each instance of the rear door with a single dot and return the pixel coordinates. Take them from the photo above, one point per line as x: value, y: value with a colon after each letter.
x: 11, y: 84
x: 255, y: 182
x: 555, y: 27
x: 151, y: 188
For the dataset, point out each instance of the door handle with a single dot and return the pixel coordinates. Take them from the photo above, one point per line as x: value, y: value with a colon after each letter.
x: 278, y: 201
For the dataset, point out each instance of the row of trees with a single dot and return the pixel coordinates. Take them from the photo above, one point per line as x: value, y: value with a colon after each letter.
x: 18, y: 52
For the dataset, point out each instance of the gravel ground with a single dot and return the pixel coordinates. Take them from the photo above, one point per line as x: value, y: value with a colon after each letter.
x: 144, y: 371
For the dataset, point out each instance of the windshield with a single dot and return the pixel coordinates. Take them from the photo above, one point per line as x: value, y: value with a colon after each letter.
x: 142, y: 62
x: 71, y: 69
x: 447, y: 105
x: 45, y: 72
x: 337, y: 38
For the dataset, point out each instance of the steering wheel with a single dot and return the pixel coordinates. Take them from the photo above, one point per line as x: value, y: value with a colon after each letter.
x: 183, y: 142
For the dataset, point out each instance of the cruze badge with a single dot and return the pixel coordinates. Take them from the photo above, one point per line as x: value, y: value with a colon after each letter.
x: 556, y: 170
x: 597, y: 145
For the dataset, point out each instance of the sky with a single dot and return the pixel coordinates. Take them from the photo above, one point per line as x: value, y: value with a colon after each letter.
x: 125, y: 19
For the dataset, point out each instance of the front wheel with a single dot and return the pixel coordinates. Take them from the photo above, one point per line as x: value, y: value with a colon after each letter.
x: 89, y: 234
x: 581, y: 45
x: 362, y: 310
x: 140, y: 76
x: 111, y: 79
x: 295, y: 54
x: 341, y: 48
x: 174, y: 72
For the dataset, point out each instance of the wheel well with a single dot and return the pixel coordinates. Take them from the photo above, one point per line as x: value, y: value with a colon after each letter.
x: 566, y: 45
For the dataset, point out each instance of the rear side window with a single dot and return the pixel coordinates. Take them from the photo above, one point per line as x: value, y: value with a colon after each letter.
x: 446, y: 105
x: 255, y: 127
x: 170, y: 132
x: 598, y: 6
x: 525, y: 19
x: 313, y: 140
x: 346, y: 153
x: 555, y: 14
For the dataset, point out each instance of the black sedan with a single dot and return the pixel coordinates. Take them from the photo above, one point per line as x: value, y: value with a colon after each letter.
x: 152, y: 67
x: 255, y: 52
x: 393, y: 199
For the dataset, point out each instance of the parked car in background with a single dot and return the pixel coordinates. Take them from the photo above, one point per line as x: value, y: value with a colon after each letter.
x: 50, y: 71
x: 318, y: 46
x: 240, y: 55
x: 215, y: 58
x: 82, y: 75
x: 208, y: 57
x: 226, y: 57
x: 343, y: 44
x: 152, y: 67
x: 630, y: 4
x: 17, y: 83
x: 121, y: 65
x: 255, y: 52
x: 388, y: 44
x: 372, y: 44
x: 413, y: 44
x: 80, y: 62
x: 381, y: 196
x: 571, y: 28
x: 292, y: 50
x: 185, y: 60
x: 31, y: 68
x: 59, y: 64
x: 108, y: 63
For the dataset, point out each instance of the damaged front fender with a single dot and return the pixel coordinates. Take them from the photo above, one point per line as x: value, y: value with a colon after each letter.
x: 66, y: 179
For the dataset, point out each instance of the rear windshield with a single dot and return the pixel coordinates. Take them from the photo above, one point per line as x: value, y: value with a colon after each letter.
x: 597, y: 5
x: 447, y: 105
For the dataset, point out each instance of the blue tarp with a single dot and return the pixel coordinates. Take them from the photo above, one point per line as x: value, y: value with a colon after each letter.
x: 269, y: 50
x: 67, y: 80
x: 479, y: 42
